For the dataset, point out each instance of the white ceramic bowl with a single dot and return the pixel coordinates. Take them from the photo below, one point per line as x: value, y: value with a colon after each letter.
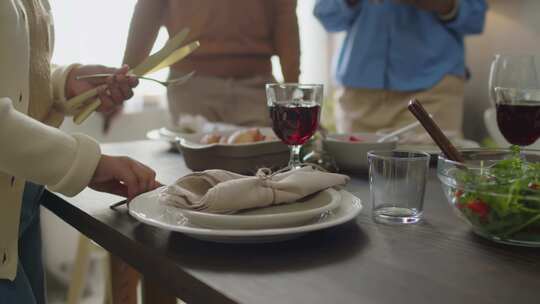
x: 278, y: 216
x: 351, y: 156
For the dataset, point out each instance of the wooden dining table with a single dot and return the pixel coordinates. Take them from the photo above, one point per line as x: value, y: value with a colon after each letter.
x: 436, y: 261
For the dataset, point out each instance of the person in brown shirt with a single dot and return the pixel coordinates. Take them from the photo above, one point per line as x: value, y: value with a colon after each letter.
x: 238, y: 38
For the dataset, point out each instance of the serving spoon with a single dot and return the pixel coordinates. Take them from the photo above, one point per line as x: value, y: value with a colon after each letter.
x: 446, y: 146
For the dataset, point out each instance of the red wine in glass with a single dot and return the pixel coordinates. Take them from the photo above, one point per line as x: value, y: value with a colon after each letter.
x: 520, y: 122
x: 294, y: 122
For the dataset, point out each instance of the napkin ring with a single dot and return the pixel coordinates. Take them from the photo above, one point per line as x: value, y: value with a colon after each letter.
x: 266, y: 173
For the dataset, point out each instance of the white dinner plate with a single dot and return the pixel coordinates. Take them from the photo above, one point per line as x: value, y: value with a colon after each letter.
x: 155, y: 214
x: 166, y: 134
x: 170, y: 133
x: 276, y: 216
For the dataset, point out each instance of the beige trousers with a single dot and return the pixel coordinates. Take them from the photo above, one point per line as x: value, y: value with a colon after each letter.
x: 234, y: 101
x: 365, y: 110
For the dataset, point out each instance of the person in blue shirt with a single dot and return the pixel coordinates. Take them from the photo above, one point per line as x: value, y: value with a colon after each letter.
x: 395, y: 50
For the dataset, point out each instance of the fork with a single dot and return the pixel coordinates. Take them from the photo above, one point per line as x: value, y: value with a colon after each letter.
x: 168, y: 83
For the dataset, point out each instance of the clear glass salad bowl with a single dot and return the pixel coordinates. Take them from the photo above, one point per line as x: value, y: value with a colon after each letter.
x: 497, y: 191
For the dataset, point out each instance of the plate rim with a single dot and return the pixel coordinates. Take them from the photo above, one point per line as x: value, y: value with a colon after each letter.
x: 354, y: 201
x: 155, y: 135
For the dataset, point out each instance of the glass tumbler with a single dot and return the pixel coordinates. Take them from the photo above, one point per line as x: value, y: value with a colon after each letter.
x: 397, y: 182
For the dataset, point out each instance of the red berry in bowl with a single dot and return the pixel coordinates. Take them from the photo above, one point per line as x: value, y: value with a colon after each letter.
x: 353, y: 138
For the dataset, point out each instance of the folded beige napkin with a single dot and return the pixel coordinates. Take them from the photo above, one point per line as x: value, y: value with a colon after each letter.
x: 219, y: 191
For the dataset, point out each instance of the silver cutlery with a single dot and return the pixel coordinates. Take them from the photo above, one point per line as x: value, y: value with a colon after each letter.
x: 116, y: 205
x: 168, y: 83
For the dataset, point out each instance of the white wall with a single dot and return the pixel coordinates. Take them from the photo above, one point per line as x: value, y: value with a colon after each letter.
x: 95, y: 32
x: 512, y: 26
x: 316, y: 50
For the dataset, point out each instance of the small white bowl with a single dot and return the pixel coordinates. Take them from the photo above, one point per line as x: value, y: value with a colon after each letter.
x: 351, y: 156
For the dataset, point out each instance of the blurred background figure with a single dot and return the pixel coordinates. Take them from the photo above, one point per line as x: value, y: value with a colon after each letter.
x: 237, y: 37
x: 398, y: 49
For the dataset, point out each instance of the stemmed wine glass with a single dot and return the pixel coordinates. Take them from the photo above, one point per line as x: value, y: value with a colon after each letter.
x: 295, y: 111
x: 515, y: 91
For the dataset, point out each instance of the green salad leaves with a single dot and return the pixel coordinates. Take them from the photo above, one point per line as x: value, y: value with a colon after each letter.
x: 502, y: 198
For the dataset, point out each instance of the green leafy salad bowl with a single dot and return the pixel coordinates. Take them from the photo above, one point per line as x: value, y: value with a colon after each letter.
x: 497, y: 191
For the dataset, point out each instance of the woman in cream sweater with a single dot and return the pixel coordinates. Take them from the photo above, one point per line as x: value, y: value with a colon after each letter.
x: 33, y: 152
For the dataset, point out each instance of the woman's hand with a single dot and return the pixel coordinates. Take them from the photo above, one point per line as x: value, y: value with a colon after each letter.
x: 123, y: 176
x: 119, y: 86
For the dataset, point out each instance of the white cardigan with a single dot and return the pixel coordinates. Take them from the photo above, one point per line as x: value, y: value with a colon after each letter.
x: 29, y: 149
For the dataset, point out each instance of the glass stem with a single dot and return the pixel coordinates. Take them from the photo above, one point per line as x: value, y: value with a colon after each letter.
x: 294, y: 161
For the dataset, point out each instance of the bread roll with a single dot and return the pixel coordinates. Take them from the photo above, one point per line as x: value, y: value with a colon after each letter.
x: 211, y: 138
x: 223, y: 140
x: 245, y: 136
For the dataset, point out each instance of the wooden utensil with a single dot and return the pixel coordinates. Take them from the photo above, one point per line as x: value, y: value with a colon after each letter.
x: 434, y: 131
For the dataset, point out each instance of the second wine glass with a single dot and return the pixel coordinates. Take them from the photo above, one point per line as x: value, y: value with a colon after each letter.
x: 515, y: 91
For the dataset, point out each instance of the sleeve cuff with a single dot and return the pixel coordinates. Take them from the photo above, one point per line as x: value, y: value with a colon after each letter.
x: 59, y: 77
x: 452, y: 14
x: 82, y: 169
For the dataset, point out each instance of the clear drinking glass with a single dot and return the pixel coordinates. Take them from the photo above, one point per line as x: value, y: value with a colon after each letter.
x: 512, y: 71
x: 515, y: 91
x: 397, y: 182
x: 295, y: 110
